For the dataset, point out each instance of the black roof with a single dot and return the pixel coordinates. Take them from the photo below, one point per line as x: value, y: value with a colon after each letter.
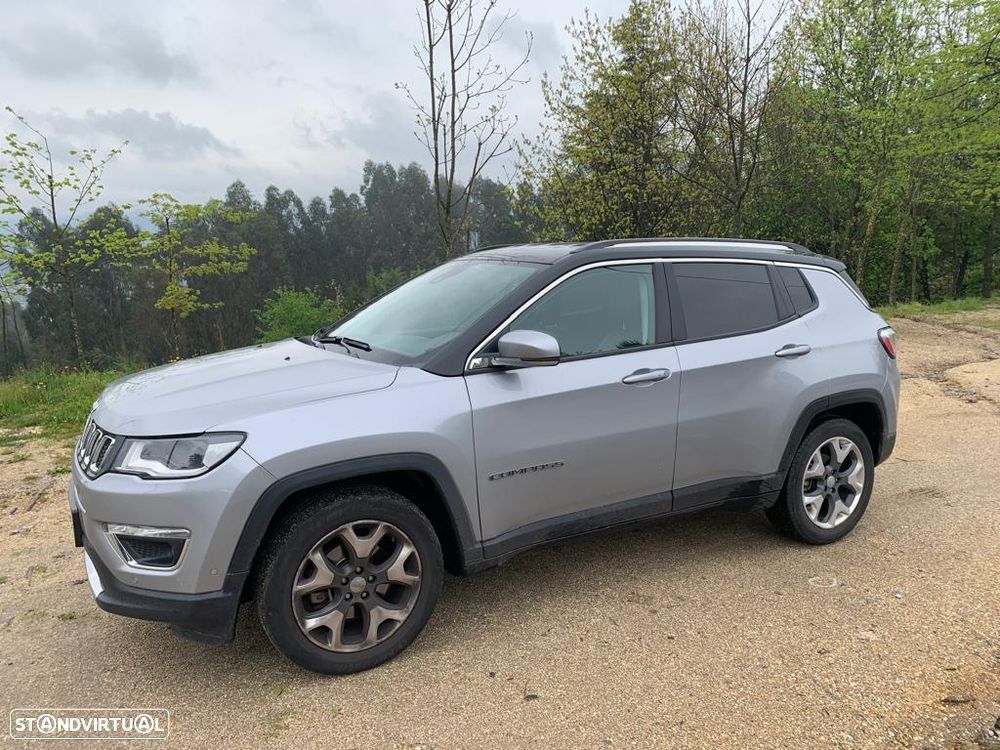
x: 662, y: 247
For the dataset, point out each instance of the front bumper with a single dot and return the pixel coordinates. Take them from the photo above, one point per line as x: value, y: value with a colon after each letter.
x: 200, y: 596
x: 214, y: 508
x: 209, y: 618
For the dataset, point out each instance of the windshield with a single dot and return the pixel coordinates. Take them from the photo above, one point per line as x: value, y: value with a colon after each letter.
x: 427, y: 312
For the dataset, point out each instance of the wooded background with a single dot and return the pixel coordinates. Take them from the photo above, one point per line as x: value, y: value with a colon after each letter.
x: 866, y: 130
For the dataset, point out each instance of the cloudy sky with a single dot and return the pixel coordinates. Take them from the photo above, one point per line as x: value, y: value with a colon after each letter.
x: 296, y: 93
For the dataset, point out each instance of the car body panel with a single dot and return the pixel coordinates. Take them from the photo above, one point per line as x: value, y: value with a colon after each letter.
x: 739, y: 402
x: 573, y: 434
x: 846, y: 336
x: 420, y: 413
x: 195, y: 395
x: 213, y: 507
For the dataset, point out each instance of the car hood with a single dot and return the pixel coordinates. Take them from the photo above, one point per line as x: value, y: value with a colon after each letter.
x: 198, y: 394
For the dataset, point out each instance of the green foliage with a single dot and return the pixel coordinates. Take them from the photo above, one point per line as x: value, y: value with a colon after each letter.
x: 603, y: 163
x: 943, y: 307
x: 183, y: 246
x: 288, y: 313
x: 865, y: 130
x: 57, y: 401
x: 42, y: 249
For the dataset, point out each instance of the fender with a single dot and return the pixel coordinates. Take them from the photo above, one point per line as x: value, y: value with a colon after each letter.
x: 271, y: 500
x: 827, y: 403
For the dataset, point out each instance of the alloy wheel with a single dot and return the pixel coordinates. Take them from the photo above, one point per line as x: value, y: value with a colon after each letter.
x: 833, y: 482
x: 356, y: 586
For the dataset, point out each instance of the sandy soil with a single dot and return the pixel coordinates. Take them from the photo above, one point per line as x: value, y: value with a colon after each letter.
x: 706, y: 632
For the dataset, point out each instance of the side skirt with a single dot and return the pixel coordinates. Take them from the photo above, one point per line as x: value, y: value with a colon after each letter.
x: 662, y: 505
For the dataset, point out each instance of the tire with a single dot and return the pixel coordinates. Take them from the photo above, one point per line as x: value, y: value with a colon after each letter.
x: 807, y: 509
x: 333, y: 627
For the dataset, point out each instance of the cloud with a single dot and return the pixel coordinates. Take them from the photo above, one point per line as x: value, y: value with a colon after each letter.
x: 115, y: 48
x: 383, y: 129
x: 160, y: 136
x: 546, y: 48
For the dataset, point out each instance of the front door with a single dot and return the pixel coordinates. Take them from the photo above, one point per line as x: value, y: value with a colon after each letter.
x: 596, y: 429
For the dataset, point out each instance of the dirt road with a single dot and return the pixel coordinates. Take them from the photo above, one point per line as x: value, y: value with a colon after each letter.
x: 706, y: 632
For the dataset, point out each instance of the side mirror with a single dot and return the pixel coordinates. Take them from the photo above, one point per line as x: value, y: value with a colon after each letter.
x: 527, y: 349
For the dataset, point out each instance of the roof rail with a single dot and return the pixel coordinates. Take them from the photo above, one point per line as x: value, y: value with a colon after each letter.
x: 689, y: 240
x: 493, y: 247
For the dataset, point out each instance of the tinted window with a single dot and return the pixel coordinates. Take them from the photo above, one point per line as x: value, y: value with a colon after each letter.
x: 602, y: 310
x: 721, y: 299
x: 802, y: 296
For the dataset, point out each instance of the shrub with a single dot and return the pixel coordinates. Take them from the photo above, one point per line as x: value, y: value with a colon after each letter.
x: 287, y: 313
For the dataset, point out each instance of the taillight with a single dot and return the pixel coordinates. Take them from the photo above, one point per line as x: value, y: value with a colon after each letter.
x: 888, y: 338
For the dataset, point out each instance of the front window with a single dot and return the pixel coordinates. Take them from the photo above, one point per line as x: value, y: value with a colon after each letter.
x: 604, y: 310
x: 424, y: 314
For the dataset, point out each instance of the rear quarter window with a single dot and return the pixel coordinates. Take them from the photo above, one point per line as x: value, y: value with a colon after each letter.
x: 799, y: 291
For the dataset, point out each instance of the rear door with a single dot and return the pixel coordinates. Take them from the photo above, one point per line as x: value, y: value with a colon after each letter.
x: 748, y: 375
x: 596, y: 429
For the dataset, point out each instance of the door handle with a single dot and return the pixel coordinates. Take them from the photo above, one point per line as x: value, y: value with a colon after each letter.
x: 793, y: 350
x: 645, y: 375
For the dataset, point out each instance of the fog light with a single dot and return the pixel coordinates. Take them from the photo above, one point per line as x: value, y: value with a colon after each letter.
x: 148, y: 546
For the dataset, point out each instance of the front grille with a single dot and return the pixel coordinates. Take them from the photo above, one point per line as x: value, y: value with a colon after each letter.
x: 94, y: 451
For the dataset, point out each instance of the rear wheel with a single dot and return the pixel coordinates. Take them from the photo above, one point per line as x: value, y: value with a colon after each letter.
x: 350, y: 580
x: 828, y: 485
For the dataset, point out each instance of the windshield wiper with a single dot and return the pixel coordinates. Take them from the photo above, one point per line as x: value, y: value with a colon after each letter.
x: 344, y: 341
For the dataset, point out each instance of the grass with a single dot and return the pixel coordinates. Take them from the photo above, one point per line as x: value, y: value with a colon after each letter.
x: 54, y: 401
x: 278, y: 721
x: 944, y: 307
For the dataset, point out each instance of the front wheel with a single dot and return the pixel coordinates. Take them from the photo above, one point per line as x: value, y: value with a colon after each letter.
x: 828, y: 485
x: 350, y: 580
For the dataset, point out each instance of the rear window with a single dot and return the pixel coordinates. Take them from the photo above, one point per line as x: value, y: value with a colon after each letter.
x: 798, y: 290
x: 723, y: 299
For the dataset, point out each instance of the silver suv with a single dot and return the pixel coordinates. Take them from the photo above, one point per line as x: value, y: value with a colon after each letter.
x: 505, y: 399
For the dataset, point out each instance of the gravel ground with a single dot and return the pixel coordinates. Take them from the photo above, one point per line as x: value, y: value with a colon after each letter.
x: 709, y: 631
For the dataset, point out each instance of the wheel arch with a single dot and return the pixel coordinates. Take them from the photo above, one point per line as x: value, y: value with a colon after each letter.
x: 863, y: 407
x: 419, y: 477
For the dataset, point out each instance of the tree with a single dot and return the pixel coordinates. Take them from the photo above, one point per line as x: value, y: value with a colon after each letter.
x: 603, y: 162
x: 184, y: 248
x: 730, y: 69
x: 858, y: 59
x: 462, y: 119
x: 399, y: 203
x: 495, y: 214
x: 47, y: 204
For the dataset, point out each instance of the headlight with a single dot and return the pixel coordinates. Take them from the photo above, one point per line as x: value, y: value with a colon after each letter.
x: 176, y: 458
